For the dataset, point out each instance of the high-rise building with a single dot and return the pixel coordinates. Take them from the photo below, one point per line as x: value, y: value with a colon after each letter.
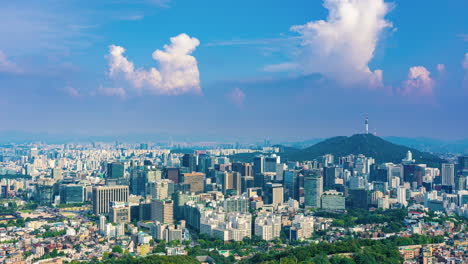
x: 103, y: 195
x: 247, y: 182
x: 44, y: 193
x: 162, y: 211
x: 258, y: 165
x: 119, y: 213
x: 245, y: 169
x: 401, y: 195
x: 291, y: 185
x: 236, y: 204
x: 301, y: 227
x: 359, y: 198
x: 329, y: 176
x: 205, y: 163
x: 333, y: 200
x: 274, y: 193
x: 172, y: 174
x: 190, y: 161
x: 193, y: 182
x: 231, y: 181
x: 138, y: 180
x: 448, y: 174
x: 71, y: 193
x: 270, y: 163
x: 57, y: 173
x: 115, y: 170
x: 102, y: 224
x: 313, y: 188
x: 161, y: 189
x: 268, y: 226
x: 463, y: 165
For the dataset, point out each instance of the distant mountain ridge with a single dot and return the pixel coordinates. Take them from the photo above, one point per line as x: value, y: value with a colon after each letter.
x: 432, y: 145
x: 366, y: 144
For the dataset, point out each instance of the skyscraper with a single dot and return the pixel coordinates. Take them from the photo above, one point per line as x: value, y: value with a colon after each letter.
x: 313, y: 189
x: 231, y: 181
x: 448, y: 174
x: 190, y: 161
x: 291, y: 185
x: 193, y: 182
x: 245, y: 169
x: 119, y: 212
x: 463, y: 165
x: 258, y: 164
x: 162, y: 211
x: 329, y: 176
x: 115, y: 170
x: 103, y: 195
x: 270, y: 163
x: 274, y: 193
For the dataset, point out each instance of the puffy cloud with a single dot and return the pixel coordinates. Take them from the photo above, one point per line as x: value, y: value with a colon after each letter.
x: 109, y: 91
x: 342, y: 46
x: 7, y: 66
x: 419, y: 82
x: 177, y: 73
x: 237, y: 97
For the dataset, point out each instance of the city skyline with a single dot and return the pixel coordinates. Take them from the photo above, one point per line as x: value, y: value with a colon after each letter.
x: 291, y: 71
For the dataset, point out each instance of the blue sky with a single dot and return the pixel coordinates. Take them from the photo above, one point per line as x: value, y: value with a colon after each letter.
x: 262, y: 69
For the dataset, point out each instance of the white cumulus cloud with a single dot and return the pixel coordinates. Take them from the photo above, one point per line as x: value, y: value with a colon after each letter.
x: 342, y: 46
x: 419, y: 82
x: 177, y: 72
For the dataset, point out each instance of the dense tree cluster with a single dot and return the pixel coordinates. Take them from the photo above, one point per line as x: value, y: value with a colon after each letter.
x: 153, y: 259
x: 352, y: 251
x: 394, y: 218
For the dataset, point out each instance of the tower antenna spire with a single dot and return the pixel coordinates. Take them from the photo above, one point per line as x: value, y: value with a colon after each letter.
x: 367, y: 123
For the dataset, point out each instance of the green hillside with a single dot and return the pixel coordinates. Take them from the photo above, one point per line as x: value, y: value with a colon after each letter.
x: 366, y: 144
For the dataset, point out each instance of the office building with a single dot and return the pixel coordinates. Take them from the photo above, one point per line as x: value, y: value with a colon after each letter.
x: 162, y: 211
x: 359, y: 198
x: 231, y: 182
x: 313, y: 188
x: 330, y: 174
x: 463, y: 165
x: 104, y: 195
x: 245, y: 169
x: 193, y: 182
x: 160, y: 189
x: 236, y: 204
x: 115, y: 170
x: 274, y: 193
x: 258, y: 165
x: 291, y: 185
x: 190, y: 161
x: 270, y: 163
x: 333, y: 200
x: 71, y: 193
x: 448, y: 174
x: 119, y: 213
